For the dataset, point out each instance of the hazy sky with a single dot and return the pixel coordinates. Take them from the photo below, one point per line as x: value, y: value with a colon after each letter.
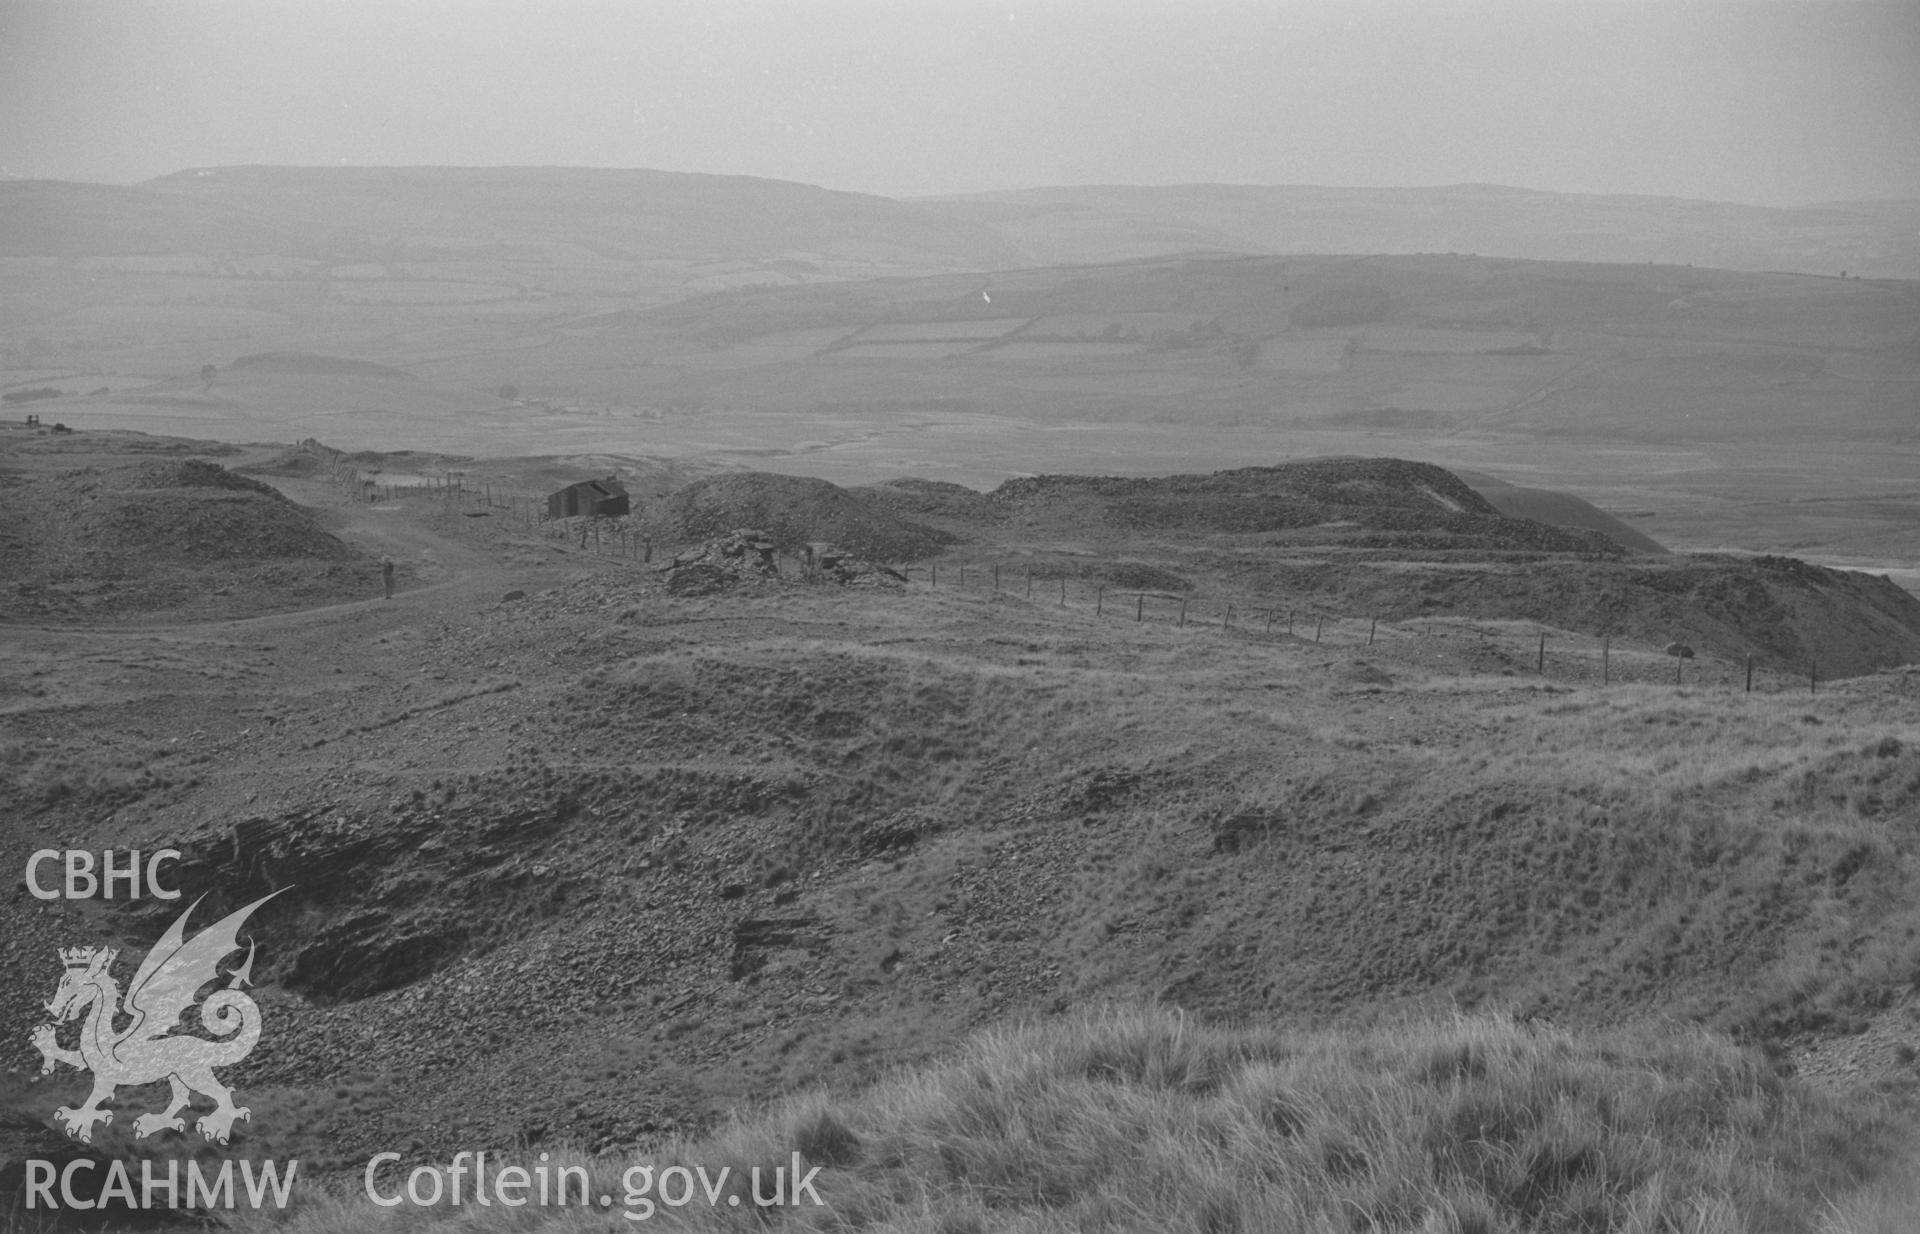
x: 1766, y: 101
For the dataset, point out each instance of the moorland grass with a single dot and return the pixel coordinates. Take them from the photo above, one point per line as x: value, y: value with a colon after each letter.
x: 1144, y: 1120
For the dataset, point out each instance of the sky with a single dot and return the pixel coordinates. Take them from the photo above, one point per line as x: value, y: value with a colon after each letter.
x: 1768, y: 102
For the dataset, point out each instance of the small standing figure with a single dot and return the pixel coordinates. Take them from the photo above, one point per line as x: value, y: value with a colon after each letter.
x: 386, y: 575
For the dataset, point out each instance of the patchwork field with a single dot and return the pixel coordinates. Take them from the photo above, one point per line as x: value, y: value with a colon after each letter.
x: 1733, y: 410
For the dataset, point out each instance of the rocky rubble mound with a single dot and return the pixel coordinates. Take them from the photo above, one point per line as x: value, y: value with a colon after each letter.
x: 747, y: 554
x: 791, y: 510
x: 827, y: 563
x: 723, y: 562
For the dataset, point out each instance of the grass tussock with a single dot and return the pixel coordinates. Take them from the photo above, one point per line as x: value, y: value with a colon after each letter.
x: 1142, y: 1120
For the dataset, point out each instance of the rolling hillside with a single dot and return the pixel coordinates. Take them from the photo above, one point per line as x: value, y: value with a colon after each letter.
x: 523, y: 216
x: 1559, y: 510
x: 575, y: 312
x: 1096, y: 223
x: 1421, y: 344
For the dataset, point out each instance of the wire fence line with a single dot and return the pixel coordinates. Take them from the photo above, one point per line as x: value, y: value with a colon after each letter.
x: 1557, y: 655
x: 1553, y: 654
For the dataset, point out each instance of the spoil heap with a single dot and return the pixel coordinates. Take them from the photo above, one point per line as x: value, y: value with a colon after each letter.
x: 740, y: 555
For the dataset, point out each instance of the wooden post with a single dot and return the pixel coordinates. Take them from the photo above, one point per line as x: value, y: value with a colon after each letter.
x: 1029, y: 582
x: 646, y: 547
x: 1371, y: 627
x: 1063, y: 591
x: 1269, y: 621
x: 1542, y: 665
x: 1813, y: 676
x: 1749, y: 672
x: 1318, y: 622
x: 996, y: 577
x: 934, y: 581
x: 1139, y: 605
x: 1183, y: 612
x: 1677, y: 662
x: 963, y: 576
x: 1606, y: 659
x: 1100, y: 601
x: 1226, y: 622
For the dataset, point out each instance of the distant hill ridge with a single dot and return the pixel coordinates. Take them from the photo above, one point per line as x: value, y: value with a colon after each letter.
x: 635, y: 213
x: 620, y: 212
x: 1085, y: 223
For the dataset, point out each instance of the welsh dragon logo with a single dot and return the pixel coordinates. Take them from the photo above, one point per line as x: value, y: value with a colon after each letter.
x: 146, y: 1050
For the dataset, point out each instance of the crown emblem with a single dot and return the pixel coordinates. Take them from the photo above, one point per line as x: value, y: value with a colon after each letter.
x: 81, y: 957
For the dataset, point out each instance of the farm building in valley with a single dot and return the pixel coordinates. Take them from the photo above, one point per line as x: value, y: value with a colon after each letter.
x: 597, y: 498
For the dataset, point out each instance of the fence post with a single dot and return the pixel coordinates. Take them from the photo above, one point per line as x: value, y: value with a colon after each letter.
x: 1289, y: 623
x: 1677, y: 662
x: 963, y: 576
x: 1813, y: 676
x: 1183, y: 612
x: 1371, y: 627
x: 1139, y: 605
x: 1318, y: 622
x: 996, y: 576
x: 1606, y: 659
x: 933, y: 579
x: 1542, y: 665
x: 1100, y: 601
x: 1269, y: 621
x: 1749, y: 672
x: 1227, y: 622
x: 1063, y: 591
x: 1029, y: 582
